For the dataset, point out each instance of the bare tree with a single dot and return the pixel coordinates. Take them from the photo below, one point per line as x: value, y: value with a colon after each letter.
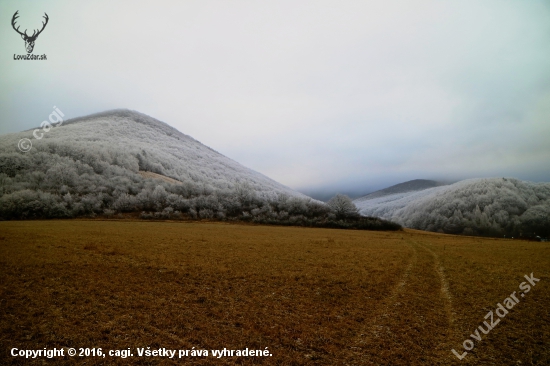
x: 342, y: 206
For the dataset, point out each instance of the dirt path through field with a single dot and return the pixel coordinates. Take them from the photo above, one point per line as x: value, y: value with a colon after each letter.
x: 443, y: 350
x: 412, y: 326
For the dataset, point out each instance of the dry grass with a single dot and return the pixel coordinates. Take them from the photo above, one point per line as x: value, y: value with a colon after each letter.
x: 164, y: 178
x: 313, y: 296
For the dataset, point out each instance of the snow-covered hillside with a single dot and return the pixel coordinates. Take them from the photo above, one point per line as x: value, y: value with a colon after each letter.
x: 490, y: 206
x: 124, y: 161
x: 135, y: 142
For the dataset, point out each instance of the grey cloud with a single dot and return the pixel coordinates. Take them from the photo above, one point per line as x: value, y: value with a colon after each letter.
x: 328, y: 95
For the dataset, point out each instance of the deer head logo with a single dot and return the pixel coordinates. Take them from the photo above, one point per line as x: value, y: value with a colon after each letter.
x: 29, y: 40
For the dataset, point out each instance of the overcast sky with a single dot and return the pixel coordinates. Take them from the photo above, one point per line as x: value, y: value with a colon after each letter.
x: 336, y: 95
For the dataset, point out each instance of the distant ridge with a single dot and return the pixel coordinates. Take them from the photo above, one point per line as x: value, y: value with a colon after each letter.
x: 409, y: 186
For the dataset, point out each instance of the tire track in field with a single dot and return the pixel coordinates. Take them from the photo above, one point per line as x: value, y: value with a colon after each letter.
x: 376, y: 327
x: 444, y: 285
x: 386, y: 308
x: 444, y: 348
x: 412, y: 325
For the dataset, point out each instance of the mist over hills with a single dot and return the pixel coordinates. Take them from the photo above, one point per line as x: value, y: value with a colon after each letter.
x: 483, y: 206
x: 123, y: 161
x: 409, y: 186
x: 356, y: 192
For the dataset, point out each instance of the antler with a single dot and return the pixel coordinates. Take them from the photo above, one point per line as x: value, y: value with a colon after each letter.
x: 34, y: 34
x: 15, y: 16
x: 43, y: 26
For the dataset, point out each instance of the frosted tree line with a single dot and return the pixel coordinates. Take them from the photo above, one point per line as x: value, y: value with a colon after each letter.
x: 47, y: 185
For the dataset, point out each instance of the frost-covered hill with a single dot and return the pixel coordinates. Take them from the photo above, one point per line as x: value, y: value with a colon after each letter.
x: 123, y: 161
x: 137, y: 142
x: 491, y: 206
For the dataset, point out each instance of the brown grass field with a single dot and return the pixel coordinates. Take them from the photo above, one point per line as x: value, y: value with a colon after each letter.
x: 312, y: 296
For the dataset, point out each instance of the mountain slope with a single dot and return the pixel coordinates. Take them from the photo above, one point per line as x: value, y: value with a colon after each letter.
x: 489, y: 206
x: 137, y: 142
